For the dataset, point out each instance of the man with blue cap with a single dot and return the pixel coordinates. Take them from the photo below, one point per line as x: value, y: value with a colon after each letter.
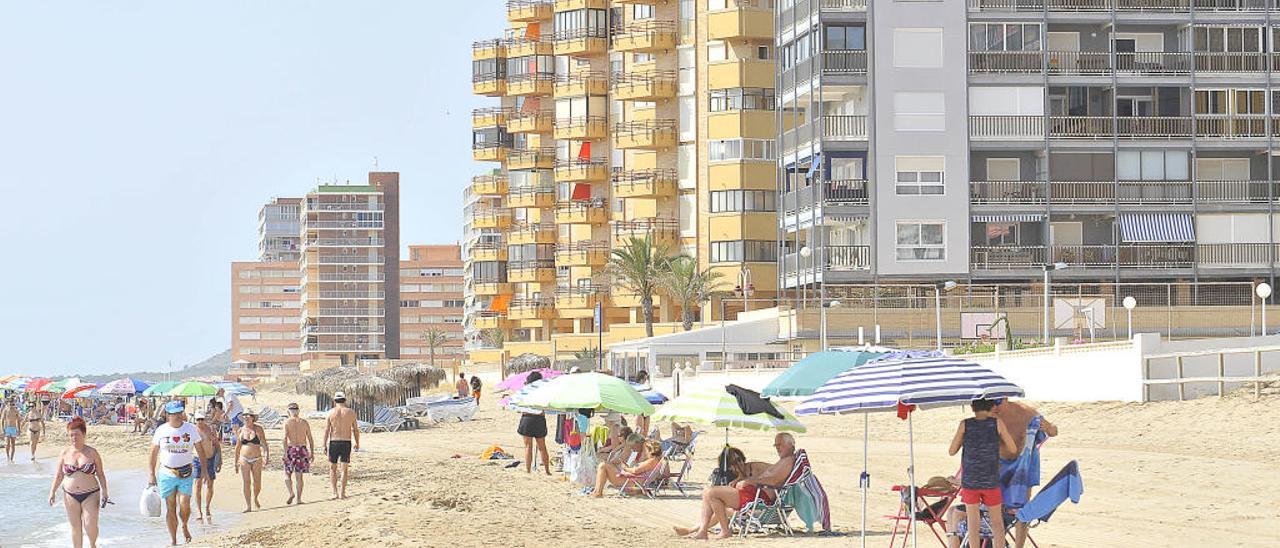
x: 175, y: 446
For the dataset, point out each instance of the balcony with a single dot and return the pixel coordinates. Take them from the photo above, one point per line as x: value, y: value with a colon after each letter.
x: 343, y: 347
x: 489, y: 117
x: 1247, y: 62
x: 1123, y: 6
x: 577, y: 170
x: 1235, y: 255
x: 646, y: 35
x: 531, y: 158
x: 313, y: 206
x: 651, y: 134
x: 645, y: 183
x: 847, y: 257
x: 1006, y: 128
x: 344, y: 277
x: 489, y: 185
x: 1231, y: 127
x: 643, y: 86
x: 1083, y: 193
x: 740, y: 73
x: 844, y: 61
x: 491, y: 218
x: 582, y: 42
x: 1011, y: 257
x: 489, y: 152
x: 583, y: 253
x: 345, y: 242
x: 581, y: 128
x: 843, y: 5
x: 534, y: 121
x: 535, y: 83
x: 349, y: 295
x: 580, y: 297
x: 844, y: 127
x: 489, y: 251
x: 743, y: 19
x: 532, y: 197
x: 347, y: 259
x: 591, y: 212
x: 488, y: 319
x: 1100, y: 127
x: 846, y: 191
x: 327, y: 225
x: 523, y: 46
x: 492, y: 84
x: 343, y: 330
x: 488, y: 49
x: 1238, y: 192
x: 571, y: 5
x: 532, y: 309
x: 527, y: 11
x: 535, y: 271
x: 532, y: 233
x: 1163, y: 256
x: 662, y: 230
x: 581, y: 83
x: 344, y: 312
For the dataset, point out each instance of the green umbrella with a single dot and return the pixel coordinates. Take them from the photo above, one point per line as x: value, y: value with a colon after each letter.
x: 192, y: 389
x: 57, y: 387
x: 586, y: 390
x: 805, y: 376
x: 160, y: 388
x: 717, y: 407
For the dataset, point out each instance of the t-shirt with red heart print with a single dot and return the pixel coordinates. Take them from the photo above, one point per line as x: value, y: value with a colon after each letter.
x: 177, y: 445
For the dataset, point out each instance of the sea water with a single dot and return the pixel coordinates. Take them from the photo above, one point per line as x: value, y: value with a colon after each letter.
x: 27, y: 520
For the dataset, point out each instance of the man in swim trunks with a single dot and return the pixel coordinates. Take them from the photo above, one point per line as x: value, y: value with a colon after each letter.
x: 339, y: 431
x: 298, y: 450
x: 206, y: 469
x: 10, y: 420
x: 176, y: 445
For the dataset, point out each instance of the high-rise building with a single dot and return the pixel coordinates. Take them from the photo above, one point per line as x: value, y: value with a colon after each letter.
x: 995, y: 140
x: 350, y: 273
x: 265, y: 303
x: 617, y: 120
x: 431, y: 304
x: 280, y: 231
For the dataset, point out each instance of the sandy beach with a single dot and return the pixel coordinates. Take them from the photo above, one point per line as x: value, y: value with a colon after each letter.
x: 1203, y: 472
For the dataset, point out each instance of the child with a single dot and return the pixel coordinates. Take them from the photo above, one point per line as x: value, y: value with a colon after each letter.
x: 982, y: 438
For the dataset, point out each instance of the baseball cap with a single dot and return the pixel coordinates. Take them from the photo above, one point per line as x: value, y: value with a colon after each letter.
x: 293, y: 406
x: 175, y: 406
x: 200, y: 415
x: 339, y: 396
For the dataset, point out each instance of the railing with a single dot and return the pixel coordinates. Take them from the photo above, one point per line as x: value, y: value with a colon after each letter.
x: 1231, y: 126
x: 344, y: 206
x: 344, y: 347
x: 336, y: 277
x: 343, y: 329
x: 1085, y: 256
x: 580, y: 33
x: 341, y: 242
x: 530, y: 77
x: 533, y: 303
x: 848, y: 257
x: 586, y: 79
x: 644, y: 179
x: 1006, y: 192
x: 1006, y: 61
x: 650, y: 129
x: 350, y: 259
x: 655, y: 82
x: 1006, y: 127
x: 1253, y: 192
x: 351, y: 294
x: 1154, y: 62
x: 586, y: 124
x: 1159, y: 6
x: 849, y: 191
x: 844, y: 61
x: 640, y: 227
x: 530, y: 155
x: 1013, y: 257
x: 492, y: 43
x: 1084, y: 63
x: 1231, y: 62
x: 843, y: 5
x: 650, y: 28
x: 480, y: 116
x: 1154, y: 126
x: 1236, y: 254
x: 530, y: 264
x: 352, y: 311
x: 343, y: 224
x: 1081, y: 127
x: 1156, y: 255
x: 846, y: 127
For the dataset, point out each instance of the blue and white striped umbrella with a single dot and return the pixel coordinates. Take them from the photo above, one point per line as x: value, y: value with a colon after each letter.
x: 922, y: 382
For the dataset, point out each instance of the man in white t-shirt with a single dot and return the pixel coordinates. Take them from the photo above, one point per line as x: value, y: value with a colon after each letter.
x: 175, y: 446
x: 231, y: 406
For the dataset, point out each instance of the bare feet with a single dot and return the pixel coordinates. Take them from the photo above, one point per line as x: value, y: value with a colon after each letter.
x: 684, y: 531
x: 256, y: 503
x: 186, y: 533
x: 290, y: 501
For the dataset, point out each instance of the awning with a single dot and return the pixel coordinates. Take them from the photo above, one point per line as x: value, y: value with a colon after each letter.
x: 1010, y: 218
x: 500, y: 304
x: 1156, y: 227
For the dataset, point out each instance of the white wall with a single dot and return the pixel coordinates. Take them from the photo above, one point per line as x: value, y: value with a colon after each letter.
x: 1103, y: 373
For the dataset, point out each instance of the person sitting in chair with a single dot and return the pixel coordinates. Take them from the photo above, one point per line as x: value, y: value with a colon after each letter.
x: 719, y: 503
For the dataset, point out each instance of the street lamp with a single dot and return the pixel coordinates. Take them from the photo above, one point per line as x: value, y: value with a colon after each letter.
x: 823, y: 317
x: 745, y: 286
x: 1263, y: 290
x: 937, y: 307
x: 1130, y: 303
x: 1047, y: 269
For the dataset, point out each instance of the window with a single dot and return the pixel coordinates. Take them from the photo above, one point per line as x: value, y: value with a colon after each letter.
x: 591, y: 23
x: 642, y: 11
x: 920, y: 175
x: 921, y: 241
x: 917, y: 48
x: 1004, y: 37
x: 844, y: 38
x: 741, y: 149
x: 531, y: 65
x: 1006, y: 101
x: 741, y: 99
x: 1152, y: 165
x: 742, y: 200
x: 919, y: 111
x: 717, y: 51
x: 1003, y: 169
x: 1228, y: 39
x: 737, y: 251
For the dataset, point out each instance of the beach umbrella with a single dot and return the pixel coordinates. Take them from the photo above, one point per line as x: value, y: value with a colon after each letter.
x: 806, y: 375
x: 586, y: 391
x: 902, y: 385
x: 17, y: 383
x: 234, y: 388
x: 36, y: 386
x: 506, y: 402
x: 193, y: 389
x: 650, y: 395
x: 516, y: 381
x: 717, y: 407
x: 160, y: 388
x: 78, y: 390
x: 123, y: 387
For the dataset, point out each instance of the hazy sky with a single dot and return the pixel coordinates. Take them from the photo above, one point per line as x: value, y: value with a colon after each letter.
x: 139, y: 138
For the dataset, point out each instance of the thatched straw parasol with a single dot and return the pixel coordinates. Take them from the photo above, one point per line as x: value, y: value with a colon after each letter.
x: 323, y: 380
x: 370, y: 388
x: 527, y: 362
x: 408, y: 374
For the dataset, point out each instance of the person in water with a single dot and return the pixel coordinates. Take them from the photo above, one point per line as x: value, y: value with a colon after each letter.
x: 84, y: 485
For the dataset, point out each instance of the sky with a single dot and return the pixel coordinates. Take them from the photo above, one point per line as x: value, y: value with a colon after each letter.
x: 138, y: 140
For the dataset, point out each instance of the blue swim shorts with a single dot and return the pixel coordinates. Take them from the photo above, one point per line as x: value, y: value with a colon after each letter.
x: 168, y: 483
x: 11, y: 431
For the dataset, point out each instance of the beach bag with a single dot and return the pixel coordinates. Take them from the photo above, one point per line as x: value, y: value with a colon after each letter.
x: 149, y: 502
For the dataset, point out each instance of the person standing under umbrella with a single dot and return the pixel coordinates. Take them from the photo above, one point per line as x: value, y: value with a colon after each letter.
x: 533, y: 429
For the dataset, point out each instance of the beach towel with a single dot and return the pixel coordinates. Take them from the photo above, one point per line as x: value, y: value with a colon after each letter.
x: 1066, y: 484
x: 807, y: 497
x: 599, y: 434
x: 494, y: 453
x: 1019, y: 475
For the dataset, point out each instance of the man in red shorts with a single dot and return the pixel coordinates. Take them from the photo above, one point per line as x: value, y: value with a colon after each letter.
x: 982, y: 438
x: 299, y: 449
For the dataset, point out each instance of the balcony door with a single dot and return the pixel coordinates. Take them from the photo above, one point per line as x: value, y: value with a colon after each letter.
x: 1066, y: 233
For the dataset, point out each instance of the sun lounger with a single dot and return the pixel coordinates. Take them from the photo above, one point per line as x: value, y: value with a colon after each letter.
x: 1065, y: 485
x: 386, y: 419
x: 270, y: 418
x: 461, y: 409
x: 649, y: 482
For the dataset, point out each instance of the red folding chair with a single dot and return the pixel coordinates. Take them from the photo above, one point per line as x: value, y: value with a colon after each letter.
x: 932, y: 506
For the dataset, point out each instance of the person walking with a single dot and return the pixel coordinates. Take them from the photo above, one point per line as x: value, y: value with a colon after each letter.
x: 206, y: 469
x: 175, y: 446
x: 252, y: 455
x: 462, y: 387
x: 475, y: 388
x: 84, y: 485
x: 35, y: 424
x: 10, y: 421
x: 339, y: 432
x: 299, y: 448
x: 533, y: 429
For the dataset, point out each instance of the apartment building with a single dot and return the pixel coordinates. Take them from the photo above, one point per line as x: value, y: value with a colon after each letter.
x: 265, y: 303
x: 280, y: 231
x: 613, y: 120
x: 350, y: 270
x: 431, y: 301
x: 930, y: 140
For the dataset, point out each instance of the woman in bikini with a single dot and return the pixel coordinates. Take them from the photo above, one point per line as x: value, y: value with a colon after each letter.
x: 84, y: 485
x: 252, y: 453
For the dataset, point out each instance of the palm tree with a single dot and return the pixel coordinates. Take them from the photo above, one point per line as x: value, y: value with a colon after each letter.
x: 689, y: 286
x: 638, y: 265
x: 493, y: 337
x: 434, y: 338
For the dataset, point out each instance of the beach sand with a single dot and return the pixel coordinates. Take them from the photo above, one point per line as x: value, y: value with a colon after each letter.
x: 1198, y: 473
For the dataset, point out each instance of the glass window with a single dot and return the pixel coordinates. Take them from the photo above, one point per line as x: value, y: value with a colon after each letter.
x: 920, y: 175
x: 844, y: 38
x: 742, y: 200
x: 921, y: 241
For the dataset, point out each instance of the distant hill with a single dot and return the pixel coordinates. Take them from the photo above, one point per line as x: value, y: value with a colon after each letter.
x: 214, y: 366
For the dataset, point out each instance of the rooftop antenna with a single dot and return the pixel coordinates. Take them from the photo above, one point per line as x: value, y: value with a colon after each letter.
x: 375, y: 163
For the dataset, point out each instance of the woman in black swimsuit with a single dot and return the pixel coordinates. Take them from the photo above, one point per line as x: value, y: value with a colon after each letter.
x: 252, y: 453
x: 84, y: 485
x: 533, y: 427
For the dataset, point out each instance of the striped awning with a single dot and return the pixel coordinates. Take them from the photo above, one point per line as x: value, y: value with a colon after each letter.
x: 1156, y: 227
x: 1009, y: 218
x: 878, y: 386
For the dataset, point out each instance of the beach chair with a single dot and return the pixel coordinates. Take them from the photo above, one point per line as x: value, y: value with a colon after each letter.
x: 647, y: 483
x: 415, y: 407
x: 764, y: 516
x: 462, y: 409
x: 1065, y: 485
x: 386, y: 419
x: 932, y: 507
x: 683, y: 455
x: 270, y: 418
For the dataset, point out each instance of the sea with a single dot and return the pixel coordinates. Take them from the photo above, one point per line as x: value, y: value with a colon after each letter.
x: 27, y: 520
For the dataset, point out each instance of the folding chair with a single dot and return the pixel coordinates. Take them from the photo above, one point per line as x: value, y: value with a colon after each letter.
x: 649, y: 482
x: 931, y: 506
x: 761, y: 515
x: 676, y: 479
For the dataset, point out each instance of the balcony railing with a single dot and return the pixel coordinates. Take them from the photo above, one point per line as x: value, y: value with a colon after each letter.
x: 1231, y: 61
x: 342, y: 224
x: 1156, y: 255
x: 845, y: 127
x: 844, y: 61
x: 1158, y: 6
x: 843, y: 5
x: 343, y: 206
x: 1006, y: 192
x: 1252, y: 192
x: 344, y: 347
x: 582, y: 83
x: 1085, y: 256
x: 1232, y: 126
x: 345, y: 242
x: 343, y: 329
x: 1006, y: 127
x: 350, y: 259
x: 848, y: 257
x: 1032, y: 257
x: 352, y: 311
x: 339, y: 277
x: 847, y: 191
x: 1234, y: 255
x: 1011, y: 257
x: 351, y: 294
x: 640, y: 227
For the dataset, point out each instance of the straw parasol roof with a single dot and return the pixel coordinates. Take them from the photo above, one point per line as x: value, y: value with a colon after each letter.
x: 527, y: 362
x: 323, y: 380
x: 361, y: 386
x: 410, y: 373
x: 371, y: 387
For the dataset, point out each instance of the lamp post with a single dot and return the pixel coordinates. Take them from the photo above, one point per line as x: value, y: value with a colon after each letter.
x: 937, y: 307
x: 1130, y: 303
x: 1263, y: 290
x: 806, y: 252
x: 745, y: 286
x: 1047, y: 269
x: 823, y: 317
